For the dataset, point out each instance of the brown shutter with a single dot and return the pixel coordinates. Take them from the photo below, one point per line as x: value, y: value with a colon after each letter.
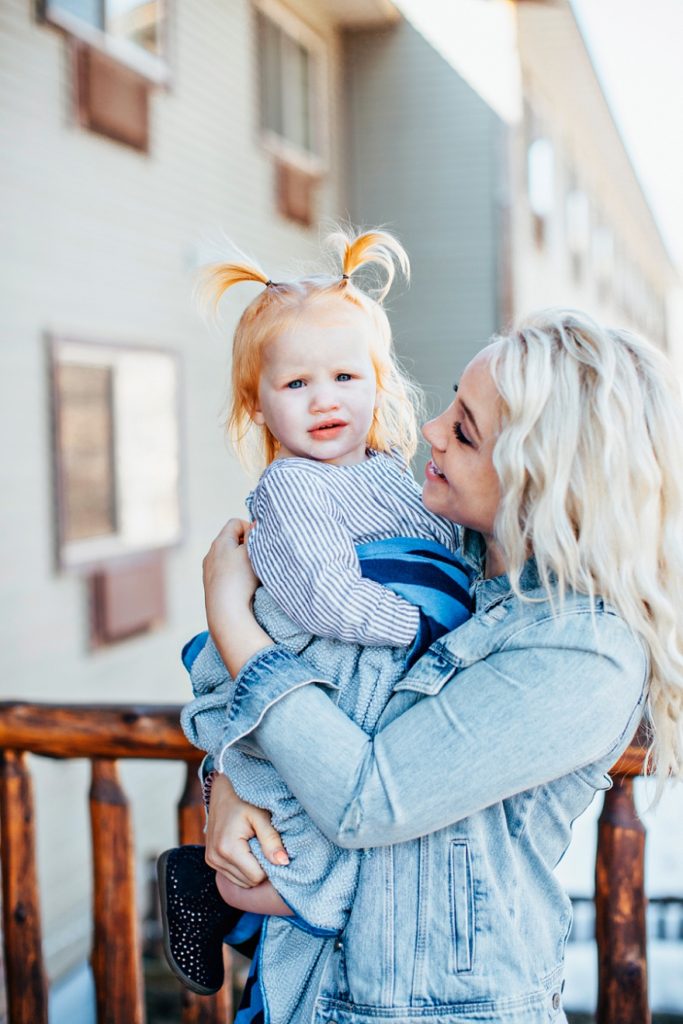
x: 111, y: 98
x: 127, y: 598
x: 295, y: 192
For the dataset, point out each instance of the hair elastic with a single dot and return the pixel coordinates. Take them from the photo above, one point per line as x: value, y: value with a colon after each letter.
x: 345, y: 277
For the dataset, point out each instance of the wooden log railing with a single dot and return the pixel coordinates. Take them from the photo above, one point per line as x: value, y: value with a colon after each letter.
x: 106, y: 733
x: 103, y: 734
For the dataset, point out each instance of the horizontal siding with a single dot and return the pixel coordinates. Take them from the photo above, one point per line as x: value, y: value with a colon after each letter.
x: 101, y: 242
x: 422, y: 160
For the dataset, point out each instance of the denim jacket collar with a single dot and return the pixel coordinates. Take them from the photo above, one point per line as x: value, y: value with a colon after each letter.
x: 488, y: 592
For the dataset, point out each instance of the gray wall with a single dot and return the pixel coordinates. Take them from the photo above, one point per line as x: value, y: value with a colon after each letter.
x: 424, y: 159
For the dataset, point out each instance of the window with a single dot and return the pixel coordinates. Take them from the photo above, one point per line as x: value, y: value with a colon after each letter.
x: 578, y: 225
x: 541, y: 186
x: 116, y: 452
x: 291, y: 87
x: 132, y: 31
x: 603, y: 259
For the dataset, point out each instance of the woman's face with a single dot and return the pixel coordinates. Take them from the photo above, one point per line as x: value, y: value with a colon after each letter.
x: 461, y: 483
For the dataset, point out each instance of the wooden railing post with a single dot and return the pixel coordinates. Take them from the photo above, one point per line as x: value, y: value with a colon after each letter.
x: 201, y: 1009
x: 26, y: 982
x: 620, y: 910
x: 116, y: 955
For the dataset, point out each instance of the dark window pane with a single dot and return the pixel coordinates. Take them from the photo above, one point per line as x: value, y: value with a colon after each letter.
x: 270, y: 73
x: 84, y: 409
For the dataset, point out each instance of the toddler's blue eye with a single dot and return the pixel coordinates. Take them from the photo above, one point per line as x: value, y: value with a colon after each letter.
x: 343, y: 376
x: 295, y: 384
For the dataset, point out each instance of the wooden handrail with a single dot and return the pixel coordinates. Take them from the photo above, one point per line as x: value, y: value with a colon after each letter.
x: 105, y: 733
x: 95, y: 730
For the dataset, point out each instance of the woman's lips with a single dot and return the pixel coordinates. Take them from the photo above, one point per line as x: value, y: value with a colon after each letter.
x: 327, y: 431
x: 432, y: 473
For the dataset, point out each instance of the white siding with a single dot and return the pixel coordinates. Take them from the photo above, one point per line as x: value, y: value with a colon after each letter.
x: 424, y: 159
x: 100, y: 241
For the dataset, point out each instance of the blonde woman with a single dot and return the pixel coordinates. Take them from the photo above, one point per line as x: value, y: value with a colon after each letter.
x: 559, y: 457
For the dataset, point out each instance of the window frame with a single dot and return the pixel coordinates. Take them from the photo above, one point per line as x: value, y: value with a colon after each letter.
x: 155, y: 69
x: 118, y: 554
x: 314, y: 164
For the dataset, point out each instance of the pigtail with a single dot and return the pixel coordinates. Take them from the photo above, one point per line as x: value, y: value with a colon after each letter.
x: 370, y: 248
x: 215, y: 279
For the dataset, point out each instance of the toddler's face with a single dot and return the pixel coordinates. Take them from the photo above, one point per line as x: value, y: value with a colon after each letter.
x: 318, y: 389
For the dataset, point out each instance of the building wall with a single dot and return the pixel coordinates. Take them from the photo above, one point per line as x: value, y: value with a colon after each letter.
x: 100, y: 242
x: 562, y: 95
x: 423, y: 159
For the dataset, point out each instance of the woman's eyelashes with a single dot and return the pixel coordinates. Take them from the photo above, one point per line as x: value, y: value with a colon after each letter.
x: 294, y: 384
x: 462, y: 438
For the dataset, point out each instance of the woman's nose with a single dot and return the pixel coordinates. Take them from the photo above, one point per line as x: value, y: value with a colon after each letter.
x: 432, y: 433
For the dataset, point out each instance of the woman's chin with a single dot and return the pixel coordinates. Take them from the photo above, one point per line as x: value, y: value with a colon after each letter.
x: 433, y: 499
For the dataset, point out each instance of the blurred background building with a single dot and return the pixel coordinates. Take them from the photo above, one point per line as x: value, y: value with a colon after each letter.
x: 137, y: 138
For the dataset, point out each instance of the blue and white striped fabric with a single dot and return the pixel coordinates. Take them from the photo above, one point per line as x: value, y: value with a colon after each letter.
x: 428, y: 575
x: 309, y: 518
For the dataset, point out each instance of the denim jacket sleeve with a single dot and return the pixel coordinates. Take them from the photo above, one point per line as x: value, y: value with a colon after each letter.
x: 549, y: 701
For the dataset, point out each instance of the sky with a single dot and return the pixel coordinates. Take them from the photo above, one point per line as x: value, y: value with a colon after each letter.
x: 636, y: 50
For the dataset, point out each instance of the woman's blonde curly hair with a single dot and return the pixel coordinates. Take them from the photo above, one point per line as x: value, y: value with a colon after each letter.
x: 591, y: 473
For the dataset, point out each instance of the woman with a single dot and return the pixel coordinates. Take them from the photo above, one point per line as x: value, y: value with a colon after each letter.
x: 559, y: 457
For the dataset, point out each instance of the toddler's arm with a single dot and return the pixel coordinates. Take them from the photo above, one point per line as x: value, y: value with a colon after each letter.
x: 304, y: 554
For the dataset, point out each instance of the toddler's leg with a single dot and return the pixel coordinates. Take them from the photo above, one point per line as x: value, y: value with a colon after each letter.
x: 260, y: 899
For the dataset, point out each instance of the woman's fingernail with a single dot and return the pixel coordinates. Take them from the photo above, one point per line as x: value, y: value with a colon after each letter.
x: 281, y: 857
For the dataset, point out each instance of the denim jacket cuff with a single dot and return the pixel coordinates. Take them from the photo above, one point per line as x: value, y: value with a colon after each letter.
x: 265, y: 679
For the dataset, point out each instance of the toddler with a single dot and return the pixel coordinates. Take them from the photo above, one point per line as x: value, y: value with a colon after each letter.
x: 352, y: 566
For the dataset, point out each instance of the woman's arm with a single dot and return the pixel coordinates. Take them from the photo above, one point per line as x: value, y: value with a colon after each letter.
x: 518, y: 719
x: 546, y: 704
x: 229, y: 588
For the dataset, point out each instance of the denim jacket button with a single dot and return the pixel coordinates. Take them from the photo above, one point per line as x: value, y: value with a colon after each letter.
x: 556, y: 1001
x: 338, y: 944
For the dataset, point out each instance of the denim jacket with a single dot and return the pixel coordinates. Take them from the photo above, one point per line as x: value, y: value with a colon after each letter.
x: 462, y: 803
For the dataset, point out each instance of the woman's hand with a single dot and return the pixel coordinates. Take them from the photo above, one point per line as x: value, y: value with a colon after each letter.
x: 229, y: 585
x: 229, y: 581
x: 232, y: 822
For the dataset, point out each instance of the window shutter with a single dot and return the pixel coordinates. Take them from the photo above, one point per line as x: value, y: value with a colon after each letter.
x: 111, y: 98
x: 127, y: 598
x: 295, y: 191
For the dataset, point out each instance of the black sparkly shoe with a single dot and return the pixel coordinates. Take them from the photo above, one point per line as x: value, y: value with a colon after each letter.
x: 194, y: 918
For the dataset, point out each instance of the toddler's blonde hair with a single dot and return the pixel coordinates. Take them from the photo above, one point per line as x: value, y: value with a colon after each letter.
x: 275, y: 309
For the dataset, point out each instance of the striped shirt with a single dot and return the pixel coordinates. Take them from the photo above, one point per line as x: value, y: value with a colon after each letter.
x: 309, y: 517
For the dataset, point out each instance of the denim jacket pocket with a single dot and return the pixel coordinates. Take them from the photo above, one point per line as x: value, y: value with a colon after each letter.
x: 431, y: 672
x: 462, y: 647
x: 461, y: 899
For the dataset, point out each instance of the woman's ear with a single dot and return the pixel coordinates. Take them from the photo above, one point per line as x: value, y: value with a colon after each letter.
x: 258, y: 417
